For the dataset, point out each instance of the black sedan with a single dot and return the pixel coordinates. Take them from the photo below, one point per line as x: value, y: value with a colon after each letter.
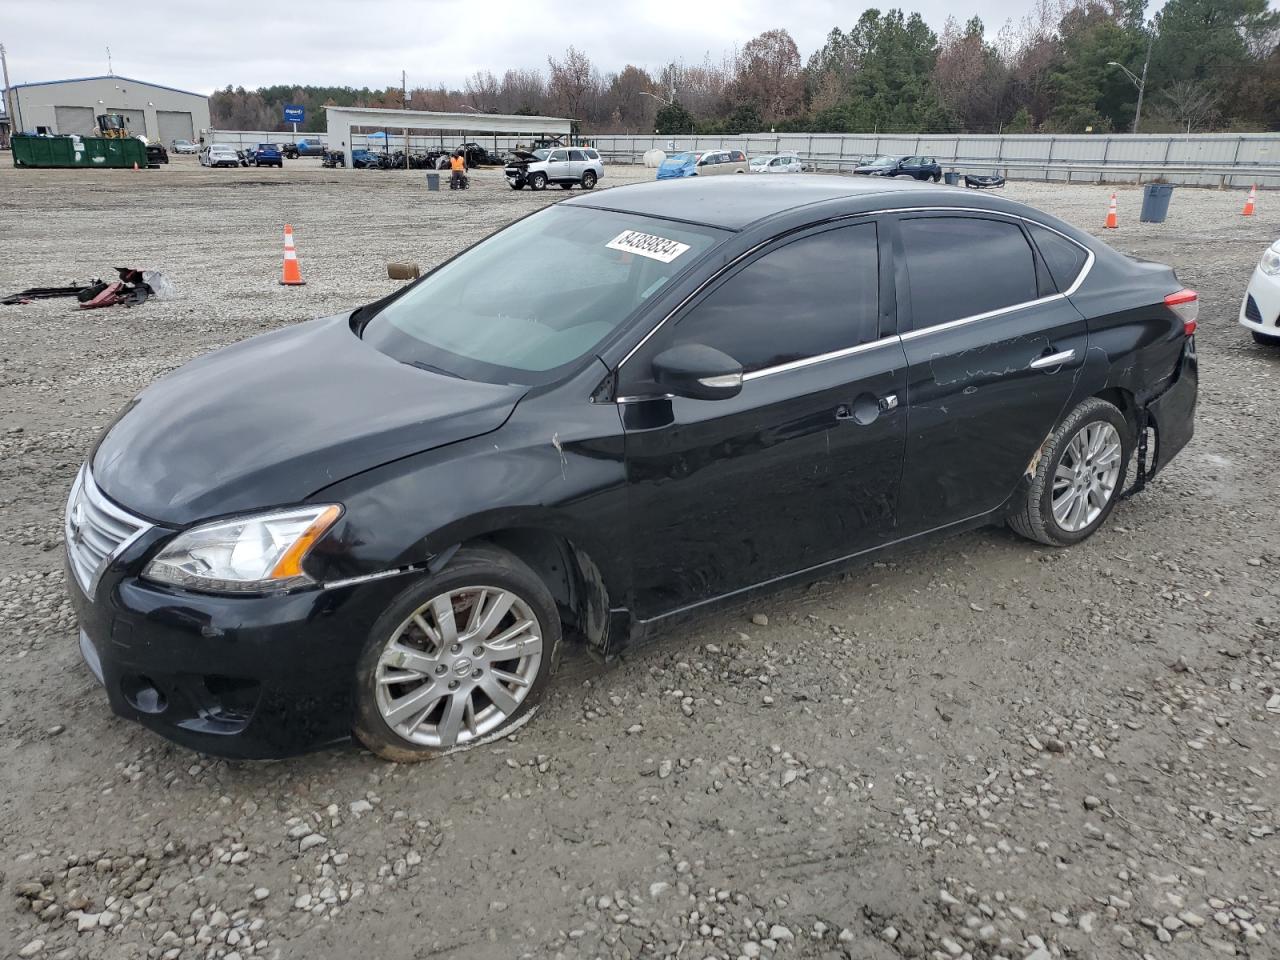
x: 917, y: 168
x: 386, y: 521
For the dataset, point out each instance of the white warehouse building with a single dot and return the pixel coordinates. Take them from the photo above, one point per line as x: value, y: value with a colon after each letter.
x: 72, y: 107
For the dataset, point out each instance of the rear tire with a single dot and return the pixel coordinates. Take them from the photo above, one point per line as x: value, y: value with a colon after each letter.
x: 1266, y: 339
x: 1082, y: 479
x: 514, y: 658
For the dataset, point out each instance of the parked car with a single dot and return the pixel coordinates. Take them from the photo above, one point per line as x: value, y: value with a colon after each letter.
x: 267, y: 155
x: 183, y: 146
x: 563, y: 165
x: 918, y: 168
x: 778, y: 163
x: 704, y: 163
x: 1260, y: 311
x: 220, y: 155
x: 304, y: 148
x: 156, y: 154
x: 604, y: 437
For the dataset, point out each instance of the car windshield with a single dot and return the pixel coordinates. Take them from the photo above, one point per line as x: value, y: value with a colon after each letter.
x: 536, y: 296
x: 266, y: 146
x: 542, y: 154
x: 682, y: 158
x: 222, y: 146
x: 882, y: 161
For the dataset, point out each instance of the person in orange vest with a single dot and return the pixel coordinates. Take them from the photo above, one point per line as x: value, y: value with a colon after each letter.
x: 458, y: 164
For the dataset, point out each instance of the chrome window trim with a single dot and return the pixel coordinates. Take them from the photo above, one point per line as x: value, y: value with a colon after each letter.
x: 820, y: 358
x: 896, y: 338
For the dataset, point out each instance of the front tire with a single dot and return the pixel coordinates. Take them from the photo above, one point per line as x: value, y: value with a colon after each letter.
x: 1079, y: 477
x: 1266, y: 339
x: 538, y: 181
x: 589, y: 180
x: 458, y: 659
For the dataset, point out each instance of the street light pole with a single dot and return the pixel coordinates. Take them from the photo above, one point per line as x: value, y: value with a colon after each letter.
x: 1139, y: 82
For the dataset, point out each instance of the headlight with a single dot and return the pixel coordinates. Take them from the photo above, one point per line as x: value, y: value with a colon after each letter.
x: 257, y: 554
x: 1270, y: 262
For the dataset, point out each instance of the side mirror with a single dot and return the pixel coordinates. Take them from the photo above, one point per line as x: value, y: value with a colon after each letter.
x: 699, y: 372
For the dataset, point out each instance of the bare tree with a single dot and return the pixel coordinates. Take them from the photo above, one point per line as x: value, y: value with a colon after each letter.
x: 1192, y: 103
x: 572, y: 81
x: 769, y: 76
x: 481, y: 89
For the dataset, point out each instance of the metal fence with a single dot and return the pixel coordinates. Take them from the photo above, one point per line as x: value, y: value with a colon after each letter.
x: 1208, y: 159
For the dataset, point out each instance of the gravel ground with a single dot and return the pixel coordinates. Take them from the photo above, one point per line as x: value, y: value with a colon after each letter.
x: 980, y: 749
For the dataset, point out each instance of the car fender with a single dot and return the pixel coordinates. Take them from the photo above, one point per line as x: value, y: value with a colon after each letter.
x: 552, y: 467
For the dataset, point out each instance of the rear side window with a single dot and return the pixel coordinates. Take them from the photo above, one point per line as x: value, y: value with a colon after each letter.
x: 577, y: 155
x: 814, y: 295
x: 962, y: 266
x: 738, y: 156
x: 1064, y: 258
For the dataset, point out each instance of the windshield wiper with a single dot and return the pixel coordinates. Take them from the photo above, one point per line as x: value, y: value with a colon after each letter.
x: 430, y: 369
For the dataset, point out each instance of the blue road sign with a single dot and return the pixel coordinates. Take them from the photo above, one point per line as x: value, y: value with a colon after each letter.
x: 293, y: 114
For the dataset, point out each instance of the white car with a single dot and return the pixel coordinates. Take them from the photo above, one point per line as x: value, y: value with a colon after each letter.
x: 219, y: 155
x: 183, y: 146
x: 778, y: 163
x: 563, y: 165
x: 1260, y: 311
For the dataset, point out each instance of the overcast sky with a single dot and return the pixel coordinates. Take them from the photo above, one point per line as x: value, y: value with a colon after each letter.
x: 205, y: 46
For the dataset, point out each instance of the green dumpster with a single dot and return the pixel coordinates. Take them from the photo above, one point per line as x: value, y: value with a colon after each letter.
x: 77, y: 152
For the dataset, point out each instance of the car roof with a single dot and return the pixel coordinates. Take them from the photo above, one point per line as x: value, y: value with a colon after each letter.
x: 733, y: 203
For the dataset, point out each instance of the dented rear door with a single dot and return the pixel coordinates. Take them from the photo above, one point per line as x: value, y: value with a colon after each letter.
x: 993, y: 354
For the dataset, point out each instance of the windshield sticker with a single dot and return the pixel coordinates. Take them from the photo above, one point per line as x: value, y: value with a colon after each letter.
x: 647, y: 245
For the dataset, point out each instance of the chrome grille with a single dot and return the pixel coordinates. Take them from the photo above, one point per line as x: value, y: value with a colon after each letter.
x: 96, y: 531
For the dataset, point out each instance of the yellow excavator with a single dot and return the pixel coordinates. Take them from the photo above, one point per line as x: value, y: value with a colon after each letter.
x: 112, y: 126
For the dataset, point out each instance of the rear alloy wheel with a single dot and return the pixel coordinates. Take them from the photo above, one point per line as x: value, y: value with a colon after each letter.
x: 589, y: 180
x: 1266, y: 339
x: 1078, y: 478
x: 458, y: 659
x: 538, y: 181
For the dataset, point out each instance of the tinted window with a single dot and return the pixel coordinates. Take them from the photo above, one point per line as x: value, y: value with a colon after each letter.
x: 962, y: 266
x: 576, y: 155
x: 592, y: 155
x: 1064, y: 259
x: 812, y: 296
x: 739, y: 156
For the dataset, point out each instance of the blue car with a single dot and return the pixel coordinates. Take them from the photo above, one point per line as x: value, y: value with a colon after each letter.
x: 266, y: 155
x: 679, y: 165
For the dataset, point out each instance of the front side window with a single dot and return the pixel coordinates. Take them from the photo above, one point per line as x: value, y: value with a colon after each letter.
x: 536, y: 296
x: 558, y: 156
x: 963, y: 266
x: 808, y: 297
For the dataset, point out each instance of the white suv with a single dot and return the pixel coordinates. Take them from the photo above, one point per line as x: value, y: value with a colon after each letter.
x: 563, y: 165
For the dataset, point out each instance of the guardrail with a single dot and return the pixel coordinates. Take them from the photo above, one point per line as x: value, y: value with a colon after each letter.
x: 1068, y: 171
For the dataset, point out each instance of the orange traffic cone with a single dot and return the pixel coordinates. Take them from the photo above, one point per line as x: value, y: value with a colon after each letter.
x: 292, y: 273
x: 135, y: 165
x: 1248, y: 204
x: 1113, y: 221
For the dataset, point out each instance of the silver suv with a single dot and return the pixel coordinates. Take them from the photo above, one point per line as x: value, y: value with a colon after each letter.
x: 563, y: 165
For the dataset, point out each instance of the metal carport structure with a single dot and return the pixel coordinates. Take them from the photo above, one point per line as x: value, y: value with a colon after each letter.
x: 341, y: 121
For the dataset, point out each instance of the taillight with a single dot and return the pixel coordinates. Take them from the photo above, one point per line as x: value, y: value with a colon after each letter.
x: 1186, y: 304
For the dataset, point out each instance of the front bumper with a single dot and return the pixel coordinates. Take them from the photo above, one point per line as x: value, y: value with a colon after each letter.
x: 248, y: 677
x: 1263, y: 316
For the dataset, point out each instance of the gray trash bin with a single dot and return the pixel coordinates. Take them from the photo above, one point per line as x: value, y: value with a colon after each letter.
x: 952, y: 178
x: 433, y: 181
x: 1155, y: 202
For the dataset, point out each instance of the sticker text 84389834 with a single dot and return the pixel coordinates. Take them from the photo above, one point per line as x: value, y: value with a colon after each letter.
x: 647, y: 245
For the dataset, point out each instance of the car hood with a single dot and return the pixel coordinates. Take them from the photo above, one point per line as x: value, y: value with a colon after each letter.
x: 274, y: 419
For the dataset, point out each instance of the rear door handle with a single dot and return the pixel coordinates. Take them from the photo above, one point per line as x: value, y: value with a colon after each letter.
x: 1053, y: 360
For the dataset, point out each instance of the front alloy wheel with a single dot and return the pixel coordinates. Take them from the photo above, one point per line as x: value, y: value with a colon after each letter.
x: 538, y: 181
x: 458, y: 659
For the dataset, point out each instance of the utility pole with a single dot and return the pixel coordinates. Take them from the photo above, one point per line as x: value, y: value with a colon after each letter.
x: 1142, y: 85
x: 10, y: 106
x: 404, y: 105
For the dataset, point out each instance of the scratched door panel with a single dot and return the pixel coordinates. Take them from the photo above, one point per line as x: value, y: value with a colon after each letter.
x: 977, y: 411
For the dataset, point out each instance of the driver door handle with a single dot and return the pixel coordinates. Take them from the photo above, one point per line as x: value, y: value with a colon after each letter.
x: 1053, y: 360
